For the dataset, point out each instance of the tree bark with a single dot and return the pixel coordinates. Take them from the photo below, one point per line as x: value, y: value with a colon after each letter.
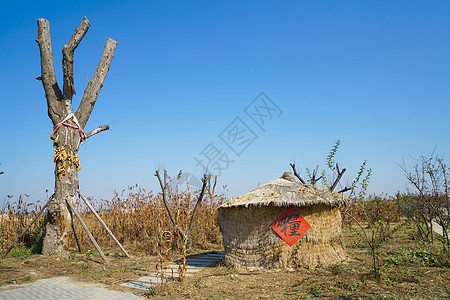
x: 68, y: 137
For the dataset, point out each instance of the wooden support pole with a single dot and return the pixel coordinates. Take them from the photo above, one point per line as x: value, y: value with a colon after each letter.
x: 101, y: 222
x: 87, y: 231
x: 29, y: 225
x: 77, y: 240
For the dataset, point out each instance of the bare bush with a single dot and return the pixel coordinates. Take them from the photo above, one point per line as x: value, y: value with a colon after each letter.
x: 428, y: 205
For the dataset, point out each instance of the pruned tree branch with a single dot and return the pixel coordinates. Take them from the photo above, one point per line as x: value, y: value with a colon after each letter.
x: 211, y: 191
x: 166, y: 204
x: 346, y: 189
x: 52, y: 91
x: 95, y: 84
x: 314, y: 174
x: 98, y: 130
x: 296, y: 174
x: 340, y: 173
x: 68, y: 49
x: 205, y: 180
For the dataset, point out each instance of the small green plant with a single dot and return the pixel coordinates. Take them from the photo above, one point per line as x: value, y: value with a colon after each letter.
x: 315, y: 291
x: 386, y: 278
x: 419, y: 256
x: 84, y: 267
x: 349, y: 286
x: 20, y: 250
x: 151, y: 292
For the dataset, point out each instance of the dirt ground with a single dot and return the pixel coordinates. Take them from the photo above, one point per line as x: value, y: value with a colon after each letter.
x: 410, y: 271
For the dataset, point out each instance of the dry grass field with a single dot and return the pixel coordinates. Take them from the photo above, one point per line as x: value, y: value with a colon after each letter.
x: 409, y: 267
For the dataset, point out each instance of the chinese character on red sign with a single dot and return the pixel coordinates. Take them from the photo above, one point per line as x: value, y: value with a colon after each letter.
x: 290, y: 226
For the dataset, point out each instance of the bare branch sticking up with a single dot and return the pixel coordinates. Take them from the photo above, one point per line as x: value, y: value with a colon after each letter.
x: 206, y: 180
x: 296, y: 174
x: 340, y: 173
x: 314, y: 174
x: 212, y: 191
x: 68, y: 49
x: 52, y: 92
x: 166, y: 204
x: 95, y: 84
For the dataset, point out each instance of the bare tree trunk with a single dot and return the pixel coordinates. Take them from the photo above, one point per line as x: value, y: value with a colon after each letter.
x: 68, y: 133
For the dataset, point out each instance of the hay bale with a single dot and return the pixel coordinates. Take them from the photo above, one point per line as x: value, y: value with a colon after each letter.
x: 250, y: 242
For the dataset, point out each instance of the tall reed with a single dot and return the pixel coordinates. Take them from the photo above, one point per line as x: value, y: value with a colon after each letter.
x: 135, y: 216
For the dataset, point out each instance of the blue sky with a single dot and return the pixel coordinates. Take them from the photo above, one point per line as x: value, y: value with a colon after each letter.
x: 373, y: 74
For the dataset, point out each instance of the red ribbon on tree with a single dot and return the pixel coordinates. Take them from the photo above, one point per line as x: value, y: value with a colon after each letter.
x: 75, y: 120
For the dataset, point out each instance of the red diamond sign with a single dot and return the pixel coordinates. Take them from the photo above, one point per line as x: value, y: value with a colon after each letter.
x: 290, y: 226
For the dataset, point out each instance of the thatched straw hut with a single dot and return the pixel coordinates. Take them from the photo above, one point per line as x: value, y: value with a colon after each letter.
x: 249, y: 240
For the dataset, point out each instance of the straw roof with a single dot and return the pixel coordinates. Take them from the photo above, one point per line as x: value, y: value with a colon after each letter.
x: 284, y: 191
x: 249, y: 241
